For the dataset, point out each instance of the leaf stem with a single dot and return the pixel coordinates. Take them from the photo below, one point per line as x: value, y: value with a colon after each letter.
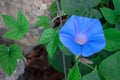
x: 89, y: 66
x: 61, y: 23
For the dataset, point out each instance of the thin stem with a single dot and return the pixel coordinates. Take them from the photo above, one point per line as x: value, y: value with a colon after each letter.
x: 63, y: 56
x: 59, y: 12
x: 64, y: 65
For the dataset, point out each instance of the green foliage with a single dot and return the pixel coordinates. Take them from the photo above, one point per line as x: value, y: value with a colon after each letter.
x: 117, y: 5
x: 117, y: 25
x: 112, y: 36
x: 51, y: 47
x: 18, y: 28
x: 81, y: 7
x: 94, y: 13
x: 107, y: 25
x: 84, y: 69
x: 9, y: 21
x: 57, y: 62
x: 107, y: 60
x: 44, y: 22
x: 105, y: 1
x: 74, y: 74
x: 110, y: 67
x: 49, y: 36
x: 112, y: 16
x: 9, y: 56
x: 91, y: 76
x: 53, y: 9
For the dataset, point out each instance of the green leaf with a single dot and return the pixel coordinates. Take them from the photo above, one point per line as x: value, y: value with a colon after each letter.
x: 107, y: 25
x: 13, y: 34
x: 51, y: 47
x: 47, y: 35
x: 57, y: 62
x: 90, y: 3
x: 93, y: 13
x: 112, y: 38
x: 19, y: 27
x: 110, y: 67
x: 17, y: 51
x: 9, y: 21
x: 44, y: 21
x: 91, y: 76
x: 84, y: 69
x: 9, y: 56
x: 80, y: 7
x: 74, y: 74
x: 104, y: 54
x: 70, y: 6
x: 50, y: 38
x: 106, y: 1
x: 23, y: 24
x: 53, y: 9
x: 117, y: 5
x: 109, y: 15
x: 117, y: 25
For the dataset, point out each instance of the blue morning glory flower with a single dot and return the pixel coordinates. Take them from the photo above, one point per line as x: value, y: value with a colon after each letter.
x: 82, y: 36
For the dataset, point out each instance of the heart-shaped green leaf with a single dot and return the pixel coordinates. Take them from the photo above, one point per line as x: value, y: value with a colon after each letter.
x: 91, y: 76
x: 9, y: 56
x: 110, y: 15
x: 112, y: 38
x: 50, y: 38
x: 110, y: 67
x: 81, y: 7
x: 51, y: 47
x: 117, y: 5
x: 57, y: 62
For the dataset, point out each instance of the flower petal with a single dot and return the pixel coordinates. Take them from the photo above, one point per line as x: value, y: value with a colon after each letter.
x: 86, y: 51
x: 92, y: 26
x: 70, y: 27
x: 70, y: 44
x: 87, y: 25
x: 96, y: 42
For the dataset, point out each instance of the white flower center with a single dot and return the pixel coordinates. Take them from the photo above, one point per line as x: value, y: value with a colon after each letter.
x: 81, y: 39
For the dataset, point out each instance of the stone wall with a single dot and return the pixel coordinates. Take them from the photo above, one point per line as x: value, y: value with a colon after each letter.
x: 31, y: 8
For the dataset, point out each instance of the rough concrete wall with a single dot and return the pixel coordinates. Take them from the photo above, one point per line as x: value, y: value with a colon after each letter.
x: 31, y: 8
